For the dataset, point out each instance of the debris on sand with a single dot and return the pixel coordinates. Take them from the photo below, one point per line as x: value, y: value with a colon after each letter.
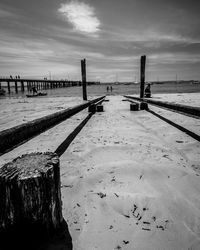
x: 146, y: 229
x: 125, y: 242
x: 101, y: 195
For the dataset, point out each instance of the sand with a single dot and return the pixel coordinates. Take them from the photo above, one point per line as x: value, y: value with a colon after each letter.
x: 15, y: 111
x: 191, y: 99
x: 129, y: 180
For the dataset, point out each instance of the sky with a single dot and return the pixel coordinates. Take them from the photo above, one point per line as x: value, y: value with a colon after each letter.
x: 48, y: 38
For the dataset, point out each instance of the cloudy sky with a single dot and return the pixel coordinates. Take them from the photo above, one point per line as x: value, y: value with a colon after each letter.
x: 43, y: 37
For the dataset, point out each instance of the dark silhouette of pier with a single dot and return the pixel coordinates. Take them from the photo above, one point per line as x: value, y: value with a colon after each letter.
x: 23, y: 85
x: 27, y: 84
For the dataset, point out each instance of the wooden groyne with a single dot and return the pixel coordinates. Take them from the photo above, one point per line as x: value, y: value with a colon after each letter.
x: 184, y: 109
x: 18, y: 134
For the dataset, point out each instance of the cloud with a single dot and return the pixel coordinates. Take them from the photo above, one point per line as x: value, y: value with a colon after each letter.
x: 81, y: 16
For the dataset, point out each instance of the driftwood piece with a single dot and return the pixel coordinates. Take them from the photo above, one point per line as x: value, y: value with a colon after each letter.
x: 30, y: 194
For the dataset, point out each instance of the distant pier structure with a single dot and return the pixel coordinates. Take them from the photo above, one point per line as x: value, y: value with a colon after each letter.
x: 22, y: 84
x: 27, y: 84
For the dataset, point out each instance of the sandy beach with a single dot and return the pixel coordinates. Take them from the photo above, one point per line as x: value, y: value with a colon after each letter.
x: 129, y: 180
x: 18, y: 110
x: 85, y: 162
x: 131, y: 183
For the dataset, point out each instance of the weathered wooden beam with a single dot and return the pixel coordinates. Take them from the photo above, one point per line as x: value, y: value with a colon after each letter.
x: 183, y: 109
x: 142, y: 75
x: 93, y: 107
x: 84, y: 84
x: 13, y: 136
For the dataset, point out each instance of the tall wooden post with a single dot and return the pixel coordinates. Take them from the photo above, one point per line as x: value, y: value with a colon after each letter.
x: 22, y: 86
x: 8, y: 87
x: 30, y: 85
x: 142, y: 75
x: 16, y: 87
x: 83, y: 71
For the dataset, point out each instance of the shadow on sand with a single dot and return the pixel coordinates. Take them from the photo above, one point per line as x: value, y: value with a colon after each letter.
x: 35, y: 239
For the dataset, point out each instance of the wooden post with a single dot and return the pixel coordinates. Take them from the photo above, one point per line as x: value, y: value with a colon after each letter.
x: 31, y: 195
x: 142, y: 76
x: 16, y: 87
x: 31, y: 85
x: 8, y: 87
x: 84, y: 86
x: 22, y: 86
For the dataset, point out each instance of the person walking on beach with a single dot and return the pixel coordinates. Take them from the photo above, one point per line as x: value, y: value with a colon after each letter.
x: 107, y: 88
x: 111, y: 88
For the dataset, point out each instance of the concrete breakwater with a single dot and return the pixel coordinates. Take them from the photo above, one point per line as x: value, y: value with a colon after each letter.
x: 13, y: 136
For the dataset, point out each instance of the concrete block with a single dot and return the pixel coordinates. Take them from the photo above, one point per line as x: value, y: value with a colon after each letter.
x: 99, y: 108
x: 92, y: 108
x: 134, y: 106
x: 143, y: 106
